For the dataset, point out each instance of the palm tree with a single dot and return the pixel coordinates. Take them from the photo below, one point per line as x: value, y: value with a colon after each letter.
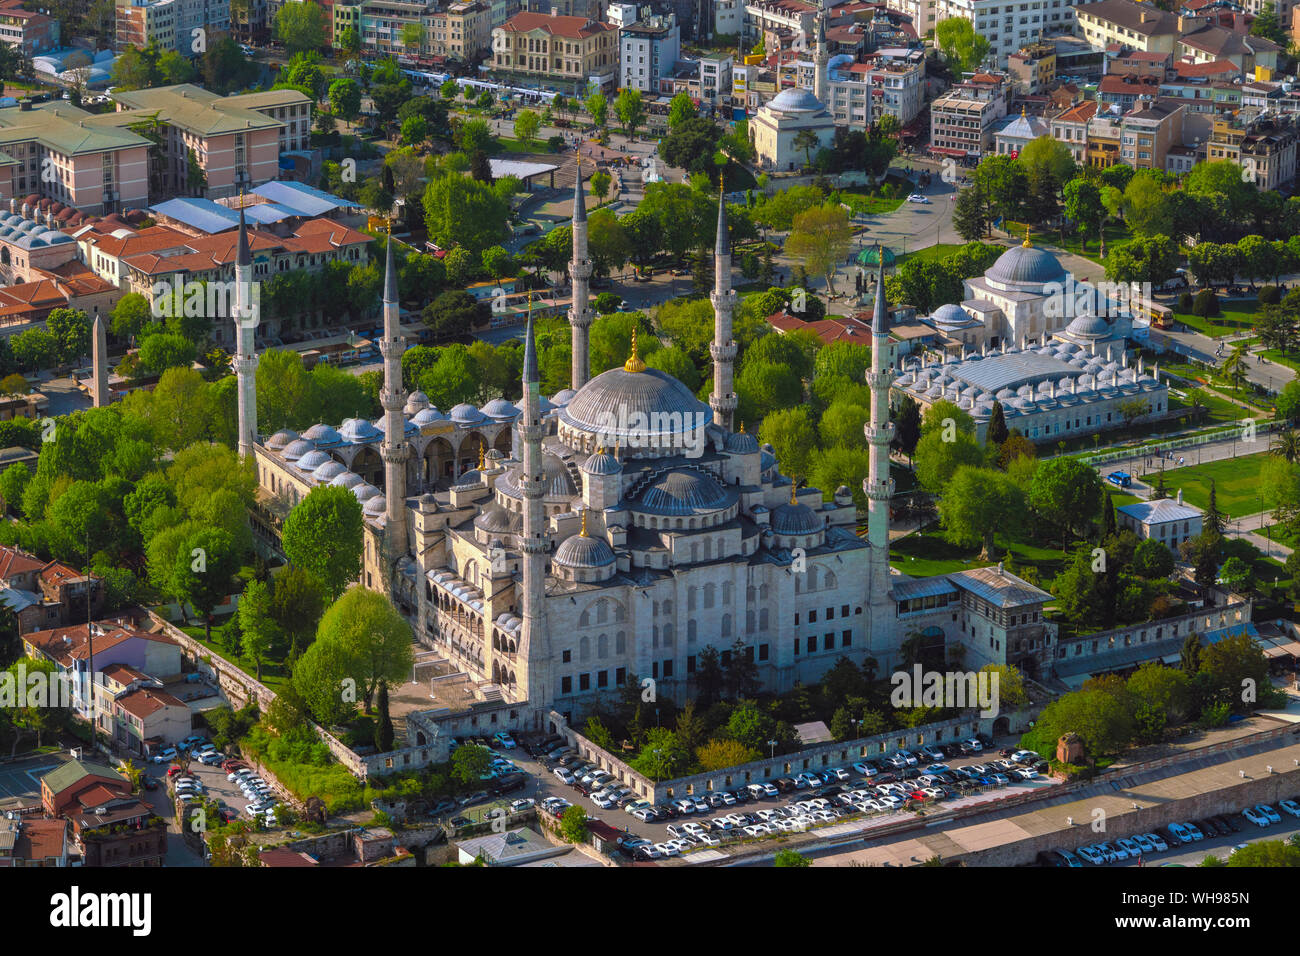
x: 1234, y: 366
x: 1286, y: 445
x: 1197, y: 398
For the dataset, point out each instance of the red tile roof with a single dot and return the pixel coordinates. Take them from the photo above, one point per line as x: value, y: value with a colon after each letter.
x: 573, y: 28
x: 14, y: 562
x: 146, y: 701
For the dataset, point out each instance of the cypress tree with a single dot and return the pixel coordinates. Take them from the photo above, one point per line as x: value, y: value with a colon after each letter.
x: 384, y: 734
x: 1213, y: 519
x: 997, y: 431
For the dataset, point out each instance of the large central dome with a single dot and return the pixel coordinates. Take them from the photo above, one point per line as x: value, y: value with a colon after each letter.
x: 636, y: 409
x: 1025, y: 265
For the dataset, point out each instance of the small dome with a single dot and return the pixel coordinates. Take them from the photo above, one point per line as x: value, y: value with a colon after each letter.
x: 359, y: 431
x: 795, y: 100
x: 313, y: 460
x: 497, y: 520
x: 323, y: 435
x: 281, y: 438
x: 842, y: 490
x: 741, y: 443
x: 563, y: 397
x: 1089, y: 327
x: 500, y: 409
x: 602, y: 463
x: 375, y: 505
x: 950, y: 315
x: 296, y: 449
x: 469, y: 479
x: 464, y: 414
x: 416, y: 401
x: 581, y: 551
x: 558, y: 482
x: 365, y: 491
x: 328, y: 470
x: 426, y: 416
x: 796, y: 519
x: 346, y: 480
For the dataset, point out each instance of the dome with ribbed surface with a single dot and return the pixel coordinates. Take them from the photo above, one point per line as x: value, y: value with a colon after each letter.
x: 499, y: 409
x: 741, y: 443
x: 280, y: 439
x: 346, y: 480
x: 323, y: 435
x: 581, y: 551
x: 360, y: 431
x: 794, y: 100
x: 1025, y: 265
x: 497, y: 520
x: 1089, y: 327
x: 296, y: 449
x: 684, y: 493
x: 950, y: 315
x: 796, y: 519
x: 602, y: 463
x: 328, y: 470
x: 636, y: 409
x: 312, y: 460
x: 464, y: 414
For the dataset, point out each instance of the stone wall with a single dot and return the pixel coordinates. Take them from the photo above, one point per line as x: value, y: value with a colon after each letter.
x: 234, y: 683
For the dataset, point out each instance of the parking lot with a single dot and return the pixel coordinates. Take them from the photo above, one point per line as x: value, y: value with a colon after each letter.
x: 747, y: 812
x: 1207, y: 837
x: 225, y: 793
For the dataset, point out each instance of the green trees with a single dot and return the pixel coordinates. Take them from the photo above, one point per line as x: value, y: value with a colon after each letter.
x: 1084, y: 208
x: 629, y: 109
x: 1069, y: 491
x: 256, y: 626
x: 463, y: 211
x: 362, y: 639
x: 597, y: 105
x: 964, y: 49
x: 300, y: 27
x: 204, y: 565
x: 821, y: 238
x: 323, y: 535
x: 692, y: 143
x: 573, y: 825
x: 527, y: 123
x: 976, y: 502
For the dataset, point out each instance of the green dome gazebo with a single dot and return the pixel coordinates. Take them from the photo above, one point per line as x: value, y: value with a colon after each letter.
x: 870, y: 256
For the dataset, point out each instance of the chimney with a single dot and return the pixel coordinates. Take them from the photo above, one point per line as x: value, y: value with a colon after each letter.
x: 1000, y: 568
x: 1180, y: 496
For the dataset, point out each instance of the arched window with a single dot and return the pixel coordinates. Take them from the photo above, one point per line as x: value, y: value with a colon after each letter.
x: 812, y: 577
x: 690, y: 599
x: 708, y: 596
x: 602, y: 647
x: 668, y: 607
x: 602, y: 612
x: 584, y: 649
x: 726, y: 625
x: 830, y: 580
x: 749, y: 621
x: 654, y: 637
x: 620, y: 643
x: 584, y: 620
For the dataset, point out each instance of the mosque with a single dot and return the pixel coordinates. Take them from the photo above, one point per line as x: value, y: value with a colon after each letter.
x: 554, y: 550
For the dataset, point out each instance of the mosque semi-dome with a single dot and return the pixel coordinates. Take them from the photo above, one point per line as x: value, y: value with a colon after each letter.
x: 636, y: 409
x: 581, y: 551
x: 683, y: 493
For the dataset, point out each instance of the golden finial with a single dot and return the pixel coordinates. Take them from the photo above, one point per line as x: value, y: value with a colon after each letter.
x: 482, y: 455
x: 634, y: 363
x: 618, y: 447
x: 583, y: 531
x: 1026, y: 242
x: 742, y: 427
x: 794, y: 492
x: 1022, y: 111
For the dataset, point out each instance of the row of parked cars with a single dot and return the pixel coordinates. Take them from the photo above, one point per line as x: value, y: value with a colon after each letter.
x: 204, y: 751
x: 1162, y: 838
x: 262, y: 799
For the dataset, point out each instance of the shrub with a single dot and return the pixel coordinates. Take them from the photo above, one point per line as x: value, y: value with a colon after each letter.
x: 1269, y: 295
x: 1206, y: 304
x: 1184, y: 302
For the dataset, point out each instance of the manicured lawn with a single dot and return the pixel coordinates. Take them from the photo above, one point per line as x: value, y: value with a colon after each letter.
x: 1115, y: 233
x: 1236, y: 484
x: 864, y: 205
x: 939, y: 251
x: 1290, y: 360
x: 1221, y: 411
x: 1233, y: 316
x: 928, y: 553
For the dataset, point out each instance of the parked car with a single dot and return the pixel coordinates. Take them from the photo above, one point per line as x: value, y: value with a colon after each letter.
x: 1255, y: 817
x: 1272, y: 815
x: 918, y: 198
x: 165, y: 755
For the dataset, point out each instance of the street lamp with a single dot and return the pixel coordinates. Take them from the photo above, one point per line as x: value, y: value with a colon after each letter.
x: 772, y: 750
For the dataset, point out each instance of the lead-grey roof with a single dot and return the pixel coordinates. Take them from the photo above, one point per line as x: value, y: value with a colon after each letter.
x: 684, y: 493
x: 1000, y: 588
x: 1164, y: 509
x: 992, y: 373
x: 922, y: 588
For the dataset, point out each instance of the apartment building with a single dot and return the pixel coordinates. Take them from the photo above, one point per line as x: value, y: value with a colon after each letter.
x: 728, y: 18
x: 1006, y: 25
x: 791, y: 20
x: 890, y: 83
x: 1032, y: 68
x: 1265, y: 148
x: 707, y: 79
x: 345, y: 16
x: 59, y: 152
x: 170, y: 23
x: 236, y: 140
x: 1138, y: 26
x: 1148, y: 131
x: 110, y: 826
x: 1125, y: 90
x: 555, y: 51
x: 922, y: 13
x: 1071, y: 128
x: 27, y: 31
x: 1138, y: 63
x: 648, y: 52
x: 384, y: 21
x: 1103, y: 139
x: 963, y: 119
x: 461, y: 31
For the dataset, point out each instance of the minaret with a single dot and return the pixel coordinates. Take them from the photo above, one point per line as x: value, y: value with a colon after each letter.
x: 393, y: 398
x: 879, y: 486
x: 535, y: 645
x: 99, y: 362
x: 247, y: 315
x: 723, y: 349
x: 580, y: 314
x: 821, y: 58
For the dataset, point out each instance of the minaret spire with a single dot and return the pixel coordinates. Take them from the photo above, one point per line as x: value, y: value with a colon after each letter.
x: 580, y: 313
x: 821, y: 58
x: 879, y: 486
x: 393, y: 398
x: 534, y: 649
x: 247, y: 315
x: 723, y: 349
